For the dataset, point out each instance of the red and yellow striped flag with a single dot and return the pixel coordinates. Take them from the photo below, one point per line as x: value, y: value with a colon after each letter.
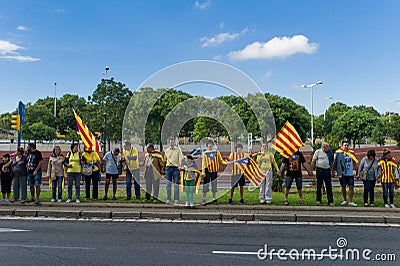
x: 287, y: 141
x: 251, y: 170
x: 88, y: 139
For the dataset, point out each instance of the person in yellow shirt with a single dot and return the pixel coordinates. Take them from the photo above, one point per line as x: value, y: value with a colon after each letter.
x: 131, y: 156
x: 174, y: 157
x: 211, y: 161
x: 265, y: 161
x: 237, y: 178
x: 74, y: 172
x: 92, y: 158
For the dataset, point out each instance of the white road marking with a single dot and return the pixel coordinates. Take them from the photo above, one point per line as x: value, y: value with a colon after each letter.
x: 45, y: 247
x: 6, y: 230
x: 158, y: 220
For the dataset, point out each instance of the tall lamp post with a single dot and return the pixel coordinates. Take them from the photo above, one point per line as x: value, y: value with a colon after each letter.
x: 106, y: 69
x: 311, y: 86
x: 55, y: 111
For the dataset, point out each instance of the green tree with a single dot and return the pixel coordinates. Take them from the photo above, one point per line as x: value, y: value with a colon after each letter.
x: 200, y: 129
x: 109, y: 100
x: 354, y: 125
x: 332, y: 114
x: 39, y: 131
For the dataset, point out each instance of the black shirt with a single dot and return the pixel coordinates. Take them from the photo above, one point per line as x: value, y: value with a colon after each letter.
x: 33, y: 160
x: 293, y: 164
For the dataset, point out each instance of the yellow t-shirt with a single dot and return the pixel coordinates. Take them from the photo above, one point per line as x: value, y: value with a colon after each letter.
x: 266, y: 160
x: 75, y: 160
x: 96, y: 159
x: 133, y: 164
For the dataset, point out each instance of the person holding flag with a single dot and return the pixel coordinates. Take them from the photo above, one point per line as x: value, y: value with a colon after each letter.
x: 345, y: 163
x: 237, y: 178
x: 211, y: 162
x: 388, y: 175
x: 265, y: 161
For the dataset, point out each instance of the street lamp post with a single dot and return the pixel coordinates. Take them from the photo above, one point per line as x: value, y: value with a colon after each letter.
x: 55, y: 111
x: 326, y: 99
x: 105, y: 114
x: 311, y: 86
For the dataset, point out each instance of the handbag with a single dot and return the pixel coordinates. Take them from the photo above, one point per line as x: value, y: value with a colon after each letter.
x: 364, y: 173
x: 119, y: 166
x: 87, y: 169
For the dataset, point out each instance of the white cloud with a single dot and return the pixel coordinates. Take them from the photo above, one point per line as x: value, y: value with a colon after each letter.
x: 221, y: 38
x: 278, y: 47
x: 10, y: 51
x: 8, y: 48
x: 266, y: 75
x: 20, y: 58
x: 222, y: 25
x: 22, y: 28
x: 203, y: 5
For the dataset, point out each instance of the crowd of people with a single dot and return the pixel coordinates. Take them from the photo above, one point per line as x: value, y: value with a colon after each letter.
x: 24, y: 168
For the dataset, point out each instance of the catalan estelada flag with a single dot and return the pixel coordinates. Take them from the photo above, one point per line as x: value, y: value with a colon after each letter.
x: 287, y: 141
x: 88, y: 139
x: 349, y: 153
x: 251, y: 170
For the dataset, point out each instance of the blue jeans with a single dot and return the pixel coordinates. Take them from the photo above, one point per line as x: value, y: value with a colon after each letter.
x: 388, y: 187
x: 136, y: 183
x: 369, y: 186
x: 57, y: 183
x: 172, y: 172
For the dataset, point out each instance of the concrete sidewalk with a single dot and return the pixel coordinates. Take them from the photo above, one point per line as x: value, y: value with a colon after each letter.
x: 244, y: 213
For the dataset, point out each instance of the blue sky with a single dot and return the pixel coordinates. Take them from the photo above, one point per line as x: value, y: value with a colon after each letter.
x: 352, y: 46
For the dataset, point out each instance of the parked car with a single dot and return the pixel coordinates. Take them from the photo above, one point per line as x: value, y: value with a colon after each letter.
x: 197, y: 152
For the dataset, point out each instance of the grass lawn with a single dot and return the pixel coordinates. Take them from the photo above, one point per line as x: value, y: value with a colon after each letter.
x: 251, y: 197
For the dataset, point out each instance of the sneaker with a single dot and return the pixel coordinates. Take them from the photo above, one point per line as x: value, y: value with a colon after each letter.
x: 241, y: 201
x: 78, y: 201
x: 318, y: 203
x: 366, y: 204
x: 372, y: 205
x: 204, y: 202
x: 114, y: 198
x: 168, y: 201
x: 268, y: 202
x: 191, y: 204
x: 230, y: 201
x: 68, y: 201
x: 60, y: 200
x: 262, y: 201
x: 343, y: 203
x: 31, y: 200
x: 187, y: 204
x: 105, y: 198
x: 392, y: 206
x: 332, y: 204
x: 53, y: 200
x: 7, y: 200
x: 387, y: 206
x: 176, y: 202
x: 37, y: 201
x: 352, y: 204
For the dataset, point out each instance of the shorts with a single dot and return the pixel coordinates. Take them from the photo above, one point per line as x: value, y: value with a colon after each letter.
x: 238, y: 180
x: 210, y: 177
x: 113, y: 176
x: 289, y: 182
x: 35, y: 180
x: 6, y: 184
x: 346, y: 181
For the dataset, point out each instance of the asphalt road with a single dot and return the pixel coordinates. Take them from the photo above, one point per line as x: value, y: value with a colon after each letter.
x: 143, y: 243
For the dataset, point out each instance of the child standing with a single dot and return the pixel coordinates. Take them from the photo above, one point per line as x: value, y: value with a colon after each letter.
x: 190, y: 174
x: 6, y: 178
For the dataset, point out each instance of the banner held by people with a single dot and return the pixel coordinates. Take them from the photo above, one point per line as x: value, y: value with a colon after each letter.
x: 287, y: 141
x: 251, y: 170
x: 88, y: 139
